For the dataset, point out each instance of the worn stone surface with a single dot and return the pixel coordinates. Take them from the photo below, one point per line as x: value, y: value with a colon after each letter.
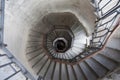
x: 114, y: 76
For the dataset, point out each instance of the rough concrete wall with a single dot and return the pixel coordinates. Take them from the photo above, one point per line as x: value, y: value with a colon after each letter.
x: 117, y: 33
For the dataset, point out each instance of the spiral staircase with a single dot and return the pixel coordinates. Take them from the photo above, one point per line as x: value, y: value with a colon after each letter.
x: 64, y: 49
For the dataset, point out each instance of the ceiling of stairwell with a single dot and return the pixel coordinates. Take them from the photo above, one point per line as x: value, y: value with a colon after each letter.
x: 22, y: 15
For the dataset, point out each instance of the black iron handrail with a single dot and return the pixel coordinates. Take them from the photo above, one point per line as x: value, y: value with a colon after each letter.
x: 106, y: 23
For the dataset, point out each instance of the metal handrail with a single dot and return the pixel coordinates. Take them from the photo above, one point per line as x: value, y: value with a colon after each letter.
x: 106, y: 24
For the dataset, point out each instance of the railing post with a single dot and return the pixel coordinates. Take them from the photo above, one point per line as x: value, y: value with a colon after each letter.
x: 2, y: 6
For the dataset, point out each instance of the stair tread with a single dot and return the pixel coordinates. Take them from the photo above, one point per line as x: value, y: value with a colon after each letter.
x: 71, y: 74
x: 43, y: 71
x: 49, y: 73
x: 79, y: 72
x: 89, y: 74
x: 36, y: 59
x: 108, y: 63
x: 56, y: 72
x: 63, y: 72
x: 39, y: 63
x: 99, y: 70
x: 112, y: 53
